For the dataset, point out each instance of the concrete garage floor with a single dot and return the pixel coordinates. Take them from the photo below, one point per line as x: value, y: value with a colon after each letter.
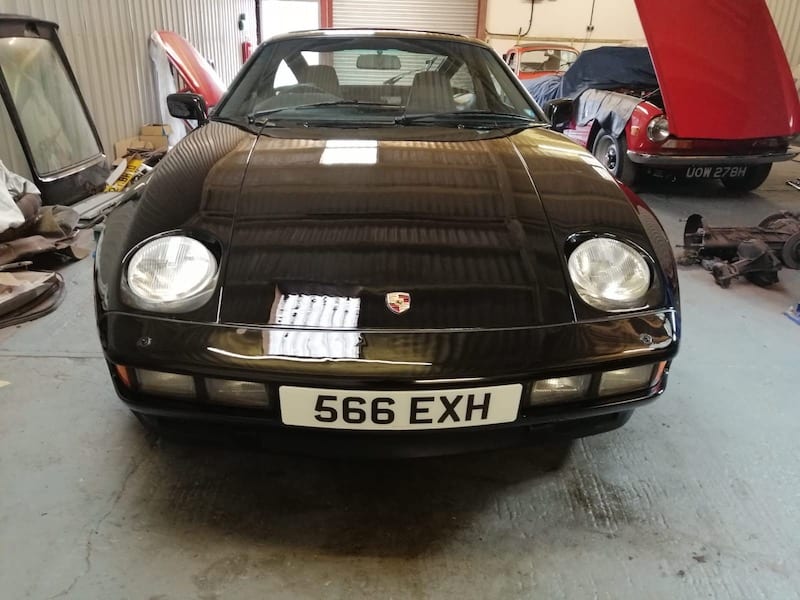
x: 697, y: 497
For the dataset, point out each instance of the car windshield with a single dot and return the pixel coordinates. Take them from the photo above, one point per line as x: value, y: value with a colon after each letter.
x: 376, y: 81
x: 547, y: 59
x: 54, y: 123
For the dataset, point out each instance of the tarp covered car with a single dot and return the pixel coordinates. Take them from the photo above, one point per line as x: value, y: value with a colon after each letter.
x: 723, y: 104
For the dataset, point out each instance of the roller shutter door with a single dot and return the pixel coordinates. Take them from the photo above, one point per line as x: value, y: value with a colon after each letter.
x: 450, y: 16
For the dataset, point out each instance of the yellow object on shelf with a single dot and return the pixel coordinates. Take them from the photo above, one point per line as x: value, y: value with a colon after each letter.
x: 133, y: 168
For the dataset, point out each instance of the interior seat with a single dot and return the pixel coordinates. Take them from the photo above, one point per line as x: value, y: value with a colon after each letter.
x: 324, y: 77
x: 431, y: 91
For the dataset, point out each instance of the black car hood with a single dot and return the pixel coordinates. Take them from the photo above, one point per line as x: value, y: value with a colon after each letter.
x: 329, y: 225
x: 315, y: 232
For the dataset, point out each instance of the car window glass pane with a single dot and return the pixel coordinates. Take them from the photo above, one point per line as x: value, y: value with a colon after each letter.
x: 501, y: 93
x: 55, y: 124
x: 284, y: 76
x: 551, y: 59
x: 414, y: 75
x: 462, y: 80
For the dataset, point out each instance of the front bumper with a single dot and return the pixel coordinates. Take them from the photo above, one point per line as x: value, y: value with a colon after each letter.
x: 665, y: 160
x: 394, y: 360
x: 365, y: 445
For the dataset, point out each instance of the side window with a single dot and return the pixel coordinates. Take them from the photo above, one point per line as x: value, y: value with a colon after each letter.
x: 462, y: 81
x: 498, y: 90
x: 463, y: 86
x: 284, y: 76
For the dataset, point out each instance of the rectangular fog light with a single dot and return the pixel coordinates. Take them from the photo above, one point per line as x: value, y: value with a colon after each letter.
x: 237, y: 393
x: 559, y: 389
x: 623, y: 381
x: 165, y: 384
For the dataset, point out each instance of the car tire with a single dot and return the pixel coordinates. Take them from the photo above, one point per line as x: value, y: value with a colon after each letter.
x: 791, y: 252
x: 612, y: 152
x: 756, y: 175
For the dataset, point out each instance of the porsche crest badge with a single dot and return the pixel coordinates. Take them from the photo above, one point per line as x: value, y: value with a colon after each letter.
x: 398, y: 302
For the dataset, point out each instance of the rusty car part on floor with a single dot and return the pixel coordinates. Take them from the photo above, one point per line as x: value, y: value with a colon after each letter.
x: 28, y: 295
x: 756, y: 253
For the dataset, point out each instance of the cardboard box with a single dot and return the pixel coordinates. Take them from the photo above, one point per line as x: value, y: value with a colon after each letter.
x: 160, y: 129
x: 159, y: 142
x: 131, y: 145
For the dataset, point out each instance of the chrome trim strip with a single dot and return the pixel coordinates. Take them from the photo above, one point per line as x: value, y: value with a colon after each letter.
x: 671, y: 160
x: 77, y: 168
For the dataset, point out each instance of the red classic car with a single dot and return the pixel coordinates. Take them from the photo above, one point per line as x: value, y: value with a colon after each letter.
x: 536, y: 60
x: 713, y: 97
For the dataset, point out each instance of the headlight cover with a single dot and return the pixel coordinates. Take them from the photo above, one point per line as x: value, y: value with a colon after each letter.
x: 658, y: 130
x: 170, y: 274
x: 609, y: 275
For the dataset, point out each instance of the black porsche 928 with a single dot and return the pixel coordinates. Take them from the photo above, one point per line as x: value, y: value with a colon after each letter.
x: 376, y: 245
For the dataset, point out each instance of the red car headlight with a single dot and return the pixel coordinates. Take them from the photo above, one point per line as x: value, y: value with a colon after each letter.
x: 658, y: 130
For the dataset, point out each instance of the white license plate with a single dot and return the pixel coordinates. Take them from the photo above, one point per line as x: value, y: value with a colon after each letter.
x: 388, y: 411
x: 715, y: 172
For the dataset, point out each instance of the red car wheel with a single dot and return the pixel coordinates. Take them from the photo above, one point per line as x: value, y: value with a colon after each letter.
x: 756, y: 175
x: 613, y: 153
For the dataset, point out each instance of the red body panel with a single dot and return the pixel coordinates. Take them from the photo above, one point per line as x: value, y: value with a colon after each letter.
x: 529, y: 75
x: 722, y: 69
x: 199, y: 75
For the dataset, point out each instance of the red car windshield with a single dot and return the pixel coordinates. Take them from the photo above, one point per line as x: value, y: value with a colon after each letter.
x: 546, y: 59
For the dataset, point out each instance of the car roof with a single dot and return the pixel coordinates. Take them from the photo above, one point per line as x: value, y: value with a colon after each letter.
x: 382, y: 33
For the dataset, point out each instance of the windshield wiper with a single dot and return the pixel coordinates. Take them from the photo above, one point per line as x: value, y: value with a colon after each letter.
x: 467, y: 117
x: 252, y: 117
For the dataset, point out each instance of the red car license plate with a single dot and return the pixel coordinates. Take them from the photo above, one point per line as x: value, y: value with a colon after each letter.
x: 715, y: 172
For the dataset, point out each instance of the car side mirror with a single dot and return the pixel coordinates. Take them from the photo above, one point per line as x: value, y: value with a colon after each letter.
x: 191, y: 107
x: 560, y: 112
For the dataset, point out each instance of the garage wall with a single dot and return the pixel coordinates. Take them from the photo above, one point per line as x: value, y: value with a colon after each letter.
x: 283, y: 16
x: 786, y: 14
x: 614, y: 22
x: 451, y: 16
x: 106, y: 42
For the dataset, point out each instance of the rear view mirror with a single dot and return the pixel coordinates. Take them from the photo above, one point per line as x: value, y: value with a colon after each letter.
x: 378, y: 62
x: 191, y: 107
x: 560, y: 113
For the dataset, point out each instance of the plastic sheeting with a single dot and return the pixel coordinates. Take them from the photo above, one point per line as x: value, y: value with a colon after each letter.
x: 606, y: 68
x: 543, y: 89
x: 165, y: 85
x: 11, y: 187
x: 609, y: 68
x: 611, y: 110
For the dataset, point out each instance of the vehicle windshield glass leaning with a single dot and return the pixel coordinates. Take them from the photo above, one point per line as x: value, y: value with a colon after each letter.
x: 376, y: 80
x: 56, y: 127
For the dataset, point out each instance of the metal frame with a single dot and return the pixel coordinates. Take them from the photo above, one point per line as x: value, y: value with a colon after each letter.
x: 678, y: 160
